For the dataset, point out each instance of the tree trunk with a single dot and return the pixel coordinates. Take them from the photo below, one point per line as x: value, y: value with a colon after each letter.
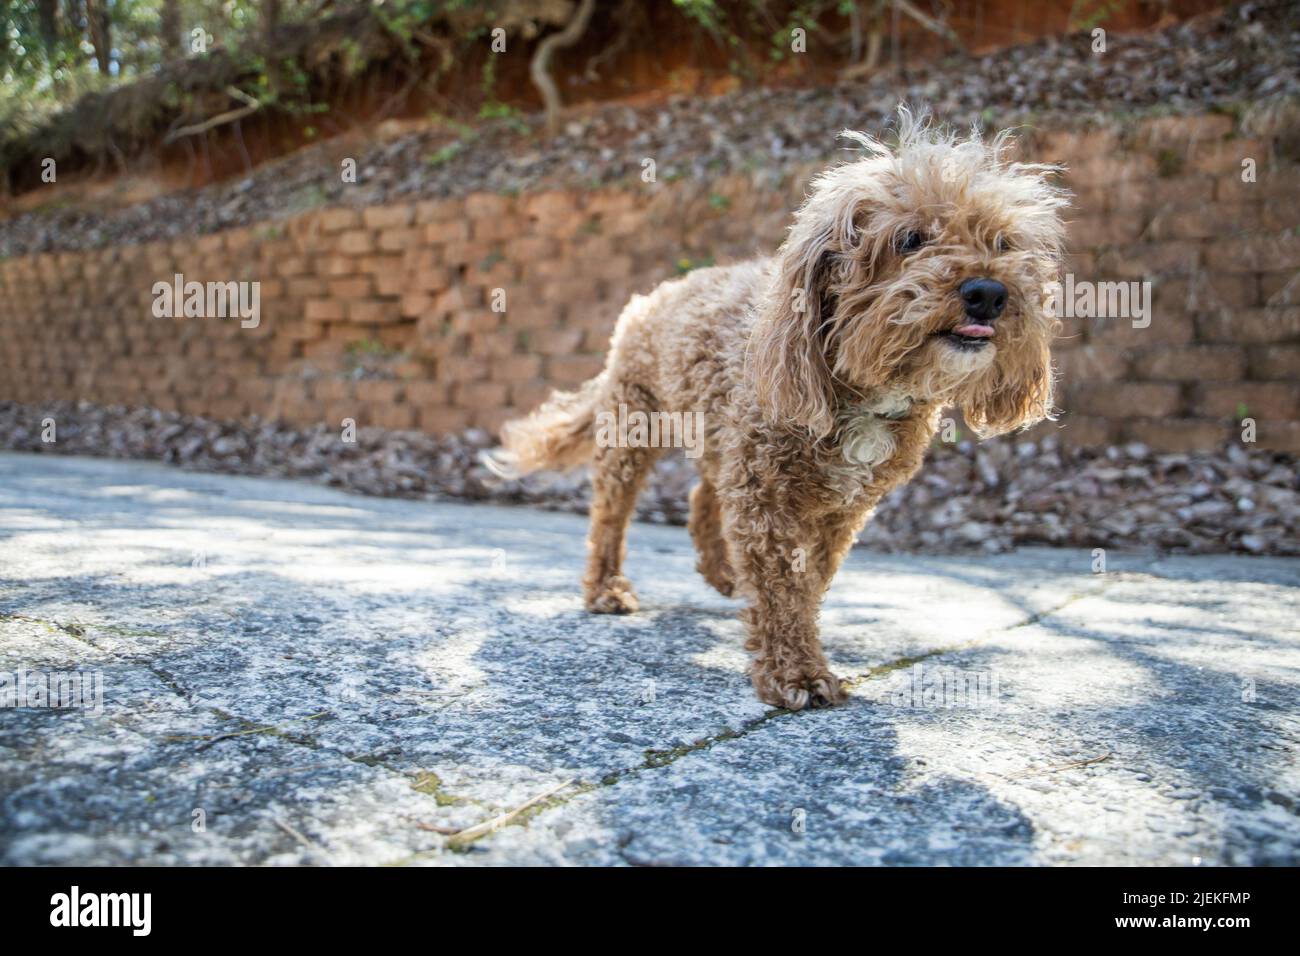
x: 173, y: 46
x: 270, y: 17
x: 540, y: 68
x: 101, y: 33
x: 271, y: 20
x: 48, y: 11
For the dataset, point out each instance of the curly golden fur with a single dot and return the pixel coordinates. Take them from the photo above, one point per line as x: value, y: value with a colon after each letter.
x: 821, y: 374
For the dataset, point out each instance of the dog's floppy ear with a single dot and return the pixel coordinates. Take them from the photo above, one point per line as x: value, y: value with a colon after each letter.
x: 786, y: 358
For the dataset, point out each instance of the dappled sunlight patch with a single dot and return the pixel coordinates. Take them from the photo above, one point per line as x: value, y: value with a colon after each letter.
x: 450, y: 662
x: 1082, y: 805
x: 727, y: 655
x: 1077, y: 672
x: 31, y: 519
x: 545, y: 607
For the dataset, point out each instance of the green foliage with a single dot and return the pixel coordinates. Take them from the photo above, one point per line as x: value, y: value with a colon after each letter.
x: 704, y: 12
x: 55, y: 99
x: 1086, y: 14
x: 445, y: 153
x: 511, y: 116
x: 1169, y: 163
x: 686, y: 264
x: 368, y: 347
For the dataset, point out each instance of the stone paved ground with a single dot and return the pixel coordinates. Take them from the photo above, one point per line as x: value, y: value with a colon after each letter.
x: 336, y: 679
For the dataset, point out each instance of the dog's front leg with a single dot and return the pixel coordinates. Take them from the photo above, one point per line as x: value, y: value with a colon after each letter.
x: 783, y: 564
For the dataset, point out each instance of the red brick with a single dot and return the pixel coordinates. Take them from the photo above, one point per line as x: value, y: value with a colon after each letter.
x: 1205, y: 291
x: 528, y: 395
x: 444, y: 421
x: 1183, y: 190
x: 1181, y: 130
x: 421, y: 395
x: 1081, y: 431
x: 415, y: 305
x: 554, y: 341
x: 1275, y: 253
x: 1275, y: 362
x: 1166, y: 328
x: 1124, y: 399
x: 453, y: 230
x: 336, y: 220
x: 356, y: 242
x: 1151, y: 260
x: 1091, y: 363
x: 340, y: 265
x: 350, y: 288
x: 515, y: 368
x: 461, y: 368
x: 1279, y: 436
x: 1175, y: 434
x: 1191, y: 363
x: 389, y: 217
x: 494, y: 230
x: 398, y: 240
x: 479, y: 394
x: 398, y: 417
x: 1104, y: 169
x: 325, y: 310
x: 476, y: 322
x: 487, y: 206
x: 1263, y: 400
x: 1224, y: 156
x: 373, y: 311
x: 1279, y: 288
x: 378, y: 390
x: 1250, y: 326
x: 1204, y: 222
x: 1104, y: 230
x: 439, y: 210
x: 574, y: 369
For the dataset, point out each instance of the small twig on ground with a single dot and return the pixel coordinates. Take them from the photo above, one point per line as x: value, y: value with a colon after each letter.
x: 314, y: 847
x: 1067, y: 766
x: 435, y: 828
x: 470, y: 834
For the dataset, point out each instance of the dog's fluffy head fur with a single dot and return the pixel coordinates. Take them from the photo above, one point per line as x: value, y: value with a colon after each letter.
x: 866, y: 283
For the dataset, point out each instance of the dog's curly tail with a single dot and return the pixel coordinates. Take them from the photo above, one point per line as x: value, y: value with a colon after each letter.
x: 559, y: 435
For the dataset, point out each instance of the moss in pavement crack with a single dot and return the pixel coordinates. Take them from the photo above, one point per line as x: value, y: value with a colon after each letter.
x: 426, y: 781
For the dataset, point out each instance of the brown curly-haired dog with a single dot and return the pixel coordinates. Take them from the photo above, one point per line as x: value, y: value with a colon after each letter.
x: 912, y: 279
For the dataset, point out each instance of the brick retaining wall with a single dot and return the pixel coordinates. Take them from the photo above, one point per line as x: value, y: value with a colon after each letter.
x: 384, y: 315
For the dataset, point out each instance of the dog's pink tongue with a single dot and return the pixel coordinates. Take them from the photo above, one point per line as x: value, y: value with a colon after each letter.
x: 974, y: 331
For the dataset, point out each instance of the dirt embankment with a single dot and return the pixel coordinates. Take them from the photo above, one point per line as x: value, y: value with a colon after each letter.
x: 1246, y: 59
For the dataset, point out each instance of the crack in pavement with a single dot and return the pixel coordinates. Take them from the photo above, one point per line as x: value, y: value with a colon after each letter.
x: 659, y: 759
x: 654, y: 759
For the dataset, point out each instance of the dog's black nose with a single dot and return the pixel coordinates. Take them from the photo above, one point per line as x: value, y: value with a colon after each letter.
x: 984, y: 298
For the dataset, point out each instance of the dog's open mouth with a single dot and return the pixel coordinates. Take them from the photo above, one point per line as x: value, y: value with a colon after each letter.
x: 970, y: 336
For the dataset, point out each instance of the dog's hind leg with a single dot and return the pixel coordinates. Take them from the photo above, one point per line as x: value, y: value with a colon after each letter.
x: 706, y: 531
x: 616, y: 479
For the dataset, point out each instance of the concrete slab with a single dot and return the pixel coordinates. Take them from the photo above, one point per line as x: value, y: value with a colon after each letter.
x: 294, y: 675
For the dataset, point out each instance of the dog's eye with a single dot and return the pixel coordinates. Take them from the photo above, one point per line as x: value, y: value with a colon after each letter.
x: 910, y: 242
x: 1003, y: 244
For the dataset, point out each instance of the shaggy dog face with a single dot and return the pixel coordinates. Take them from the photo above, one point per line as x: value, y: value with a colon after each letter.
x: 912, y: 279
x: 878, y: 277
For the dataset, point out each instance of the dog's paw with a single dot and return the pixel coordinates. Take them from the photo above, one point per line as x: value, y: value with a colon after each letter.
x: 721, y: 578
x: 795, y: 688
x: 612, y: 596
